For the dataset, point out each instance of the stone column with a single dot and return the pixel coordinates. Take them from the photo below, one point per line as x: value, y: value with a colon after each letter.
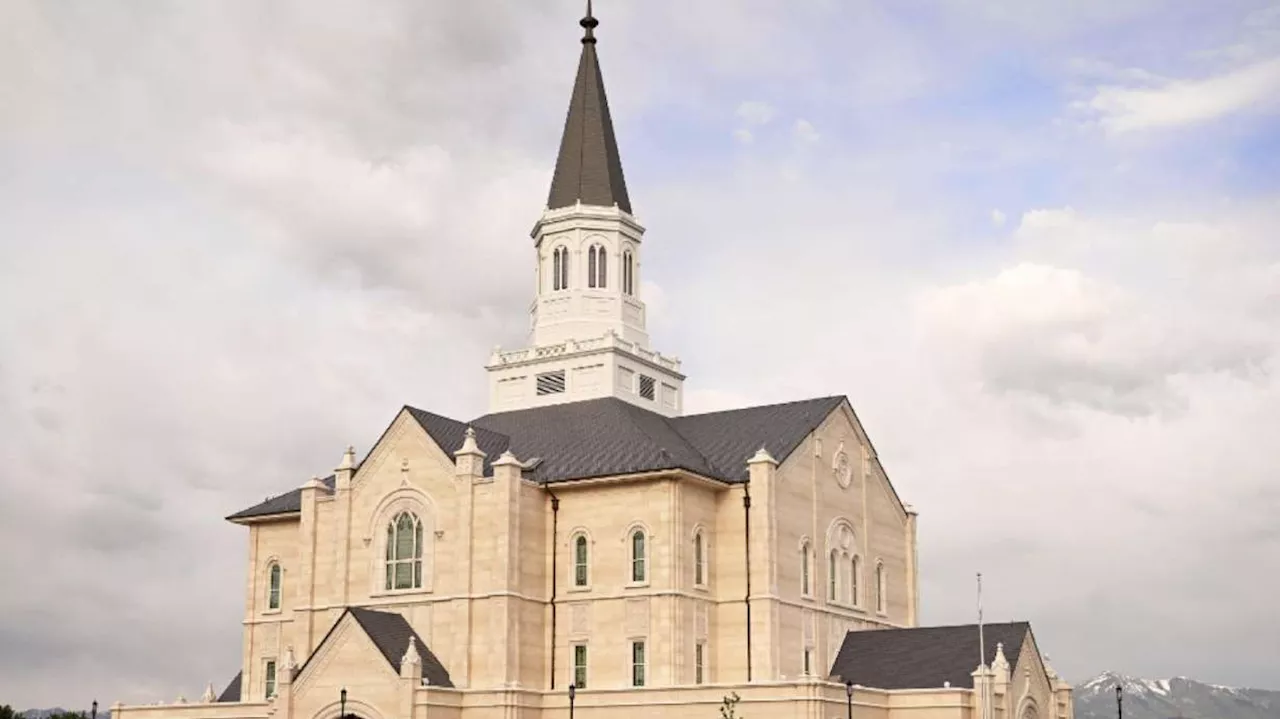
x: 468, y: 469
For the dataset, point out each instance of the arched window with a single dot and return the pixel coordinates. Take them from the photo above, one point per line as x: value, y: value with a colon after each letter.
x: 596, y: 266
x: 833, y: 572
x: 273, y: 586
x: 628, y: 273
x: 699, y: 561
x: 880, y: 598
x: 806, y: 588
x: 638, y: 566
x: 580, y: 561
x: 854, y: 580
x: 404, y: 552
x: 560, y: 269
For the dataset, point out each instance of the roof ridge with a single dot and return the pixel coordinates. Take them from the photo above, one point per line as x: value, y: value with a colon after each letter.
x: 765, y: 406
x: 628, y: 408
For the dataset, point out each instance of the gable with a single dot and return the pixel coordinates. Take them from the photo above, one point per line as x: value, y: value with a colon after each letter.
x: 603, y: 437
x: 923, y: 657
x: 384, y: 634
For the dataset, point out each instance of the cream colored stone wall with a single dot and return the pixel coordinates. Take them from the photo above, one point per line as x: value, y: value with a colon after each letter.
x: 484, y: 609
x: 1029, y: 685
x: 810, y: 501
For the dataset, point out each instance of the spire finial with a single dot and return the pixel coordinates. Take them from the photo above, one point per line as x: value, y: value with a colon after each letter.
x: 589, y: 23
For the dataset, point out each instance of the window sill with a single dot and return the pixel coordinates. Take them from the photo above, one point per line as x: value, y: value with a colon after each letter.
x: 702, y: 588
x: 399, y: 592
x: 574, y: 588
x: 636, y: 585
x: 806, y: 597
x: 277, y: 610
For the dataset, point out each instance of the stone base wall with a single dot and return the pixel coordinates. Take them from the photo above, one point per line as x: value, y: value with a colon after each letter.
x: 805, y: 699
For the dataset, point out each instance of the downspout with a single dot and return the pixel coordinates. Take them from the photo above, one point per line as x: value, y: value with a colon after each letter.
x: 746, y: 519
x: 555, y: 577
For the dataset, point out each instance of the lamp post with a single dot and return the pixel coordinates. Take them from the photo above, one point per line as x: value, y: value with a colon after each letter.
x: 342, y: 703
x: 848, y: 693
x: 573, y: 691
x: 95, y: 709
x: 1119, y: 702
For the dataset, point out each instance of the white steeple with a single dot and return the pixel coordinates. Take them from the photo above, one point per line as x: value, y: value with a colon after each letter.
x: 587, y: 337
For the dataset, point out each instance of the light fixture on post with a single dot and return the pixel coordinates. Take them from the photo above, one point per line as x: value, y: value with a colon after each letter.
x: 573, y: 691
x: 848, y: 693
x: 342, y: 704
x: 95, y: 709
x: 1119, y: 702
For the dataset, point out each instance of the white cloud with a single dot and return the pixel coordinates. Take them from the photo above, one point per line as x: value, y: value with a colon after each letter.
x: 805, y: 132
x: 744, y: 136
x: 756, y: 112
x: 997, y: 218
x: 1177, y: 103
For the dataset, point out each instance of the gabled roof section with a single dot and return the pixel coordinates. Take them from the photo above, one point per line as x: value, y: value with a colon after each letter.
x: 391, y: 632
x: 449, y: 434
x: 232, y: 692
x: 588, y: 168
x: 728, y: 438
x: 923, y: 657
x: 595, y: 438
x: 610, y: 437
x: 288, y: 503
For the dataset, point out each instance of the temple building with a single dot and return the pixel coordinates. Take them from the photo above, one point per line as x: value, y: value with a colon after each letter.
x: 588, y: 534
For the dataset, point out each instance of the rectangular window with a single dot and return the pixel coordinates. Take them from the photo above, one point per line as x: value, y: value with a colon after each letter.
x: 808, y: 653
x: 699, y: 659
x: 551, y: 382
x: 270, y: 682
x: 646, y: 386
x: 580, y: 666
x: 637, y: 664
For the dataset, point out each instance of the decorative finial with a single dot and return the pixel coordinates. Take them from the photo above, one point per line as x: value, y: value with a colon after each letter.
x: 209, y: 696
x: 589, y: 24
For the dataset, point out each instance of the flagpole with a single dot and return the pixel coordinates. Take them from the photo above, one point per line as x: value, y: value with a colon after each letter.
x: 982, y: 651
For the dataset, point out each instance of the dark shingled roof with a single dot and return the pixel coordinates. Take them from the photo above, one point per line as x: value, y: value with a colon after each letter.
x: 390, y: 632
x: 588, y: 168
x: 608, y: 436
x: 286, y: 503
x: 232, y: 692
x: 923, y: 657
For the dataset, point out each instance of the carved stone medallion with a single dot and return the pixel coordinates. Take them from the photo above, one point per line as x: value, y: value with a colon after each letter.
x: 841, y: 467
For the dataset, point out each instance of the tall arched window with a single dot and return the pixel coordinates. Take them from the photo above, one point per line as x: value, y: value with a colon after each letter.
x: 854, y: 579
x: 699, y: 561
x: 833, y: 574
x: 580, y: 561
x: 404, y: 552
x: 880, y: 598
x: 273, y: 586
x: 806, y: 587
x: 596, y: 266
x: 628, y: 273
x: 638, y: 565
x: 560, y: 269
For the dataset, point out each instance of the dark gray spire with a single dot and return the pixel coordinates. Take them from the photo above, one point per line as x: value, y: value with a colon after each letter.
x: 588, y: 168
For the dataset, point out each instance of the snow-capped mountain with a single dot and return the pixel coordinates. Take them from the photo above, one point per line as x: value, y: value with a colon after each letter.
x: 1177, y: 698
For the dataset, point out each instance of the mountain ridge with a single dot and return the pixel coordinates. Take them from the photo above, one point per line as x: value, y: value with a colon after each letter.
x: 1174, y: 698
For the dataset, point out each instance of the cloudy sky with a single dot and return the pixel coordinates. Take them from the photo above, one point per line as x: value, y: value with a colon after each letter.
x: 1035, y: 243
